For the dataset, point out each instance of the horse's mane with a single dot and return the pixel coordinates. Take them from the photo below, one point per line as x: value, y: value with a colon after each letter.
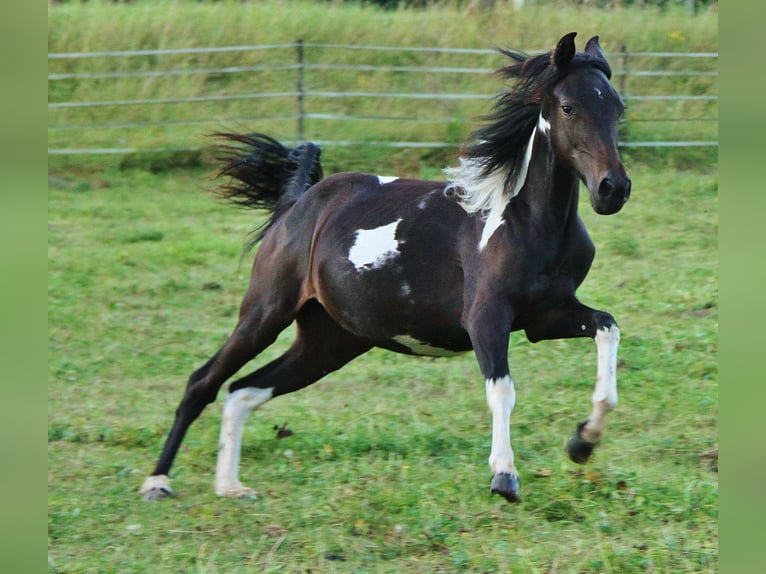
x: 497, y: 157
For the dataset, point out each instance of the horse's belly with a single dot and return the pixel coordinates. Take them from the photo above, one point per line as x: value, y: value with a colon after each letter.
x: 428, y: 348
x: 396, y: 310
x: 399, y: 322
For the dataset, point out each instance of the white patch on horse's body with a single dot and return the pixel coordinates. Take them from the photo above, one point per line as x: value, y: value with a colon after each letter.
x: 598, y: 93
x: 490, y: 194
x: 493, y: 221
x: 237, y: 407
x: 421, y: 348
x: 384, y: 179
x: 501, y: 398
x: 604, y: 397
x: 372, y: 248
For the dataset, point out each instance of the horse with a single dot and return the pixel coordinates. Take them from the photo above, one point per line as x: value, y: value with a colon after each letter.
x: 428, y: 268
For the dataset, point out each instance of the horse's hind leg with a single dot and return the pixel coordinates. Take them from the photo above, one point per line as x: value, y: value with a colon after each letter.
x: 252, y: 335
x: 321, y: 346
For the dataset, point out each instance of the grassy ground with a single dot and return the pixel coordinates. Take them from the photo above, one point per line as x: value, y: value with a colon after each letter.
x: 386, y: 468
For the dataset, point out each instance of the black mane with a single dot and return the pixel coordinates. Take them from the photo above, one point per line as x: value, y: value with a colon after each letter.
x: 502, y: 141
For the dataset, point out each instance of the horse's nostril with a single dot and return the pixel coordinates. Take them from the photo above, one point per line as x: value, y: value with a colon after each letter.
x: 606, y: 188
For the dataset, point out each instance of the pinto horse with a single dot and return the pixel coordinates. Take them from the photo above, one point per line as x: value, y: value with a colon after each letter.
x: 426, y: 267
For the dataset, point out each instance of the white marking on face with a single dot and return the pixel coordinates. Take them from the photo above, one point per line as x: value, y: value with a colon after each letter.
x: 236, y: 409
x: 384, y: 179
x: 421, y: 348
x: 501, y: 398
x: 373, y: 248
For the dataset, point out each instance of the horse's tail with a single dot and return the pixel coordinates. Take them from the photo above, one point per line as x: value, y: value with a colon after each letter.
x: 265, y: 174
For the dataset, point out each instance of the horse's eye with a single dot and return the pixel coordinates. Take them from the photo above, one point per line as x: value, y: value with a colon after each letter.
x: 567, y: 110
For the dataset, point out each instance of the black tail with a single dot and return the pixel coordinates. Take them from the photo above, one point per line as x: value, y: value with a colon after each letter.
x: 265, y: 174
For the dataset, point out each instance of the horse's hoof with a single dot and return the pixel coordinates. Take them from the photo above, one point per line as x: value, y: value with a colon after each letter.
x: 236, y: 491
x: 579, y: 450
x: 156, y: 487
x: 506, y: 485
x: 157, y: 493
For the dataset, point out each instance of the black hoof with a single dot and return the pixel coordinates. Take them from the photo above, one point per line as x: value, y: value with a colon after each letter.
x: 579, y: 450
x: 507, y: 486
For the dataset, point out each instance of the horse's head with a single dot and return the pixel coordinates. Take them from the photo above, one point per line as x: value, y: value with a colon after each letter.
x: 582, y: 110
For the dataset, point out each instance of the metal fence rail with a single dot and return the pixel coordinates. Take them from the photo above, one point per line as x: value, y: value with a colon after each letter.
x: 295, y: 95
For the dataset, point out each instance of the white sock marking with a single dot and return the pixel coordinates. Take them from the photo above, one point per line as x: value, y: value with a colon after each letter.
x: 156, y: 482
x: 237, y: 407
x: 604, y: 397
x: 372, y: 248
x: 501, y: 398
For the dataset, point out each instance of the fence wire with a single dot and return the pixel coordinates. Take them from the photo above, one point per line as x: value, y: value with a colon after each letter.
x: 81, y: 126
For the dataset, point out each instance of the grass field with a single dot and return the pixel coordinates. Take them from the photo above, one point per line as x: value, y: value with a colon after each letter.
x: 386, y: 470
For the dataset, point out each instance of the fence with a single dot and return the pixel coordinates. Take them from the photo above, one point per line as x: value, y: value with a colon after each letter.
x: 122, y: 102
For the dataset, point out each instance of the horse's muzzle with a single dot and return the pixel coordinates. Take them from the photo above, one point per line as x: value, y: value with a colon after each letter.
x: 612, y: 194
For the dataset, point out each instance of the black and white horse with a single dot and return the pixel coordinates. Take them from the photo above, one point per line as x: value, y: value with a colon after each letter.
x: 426, y: 267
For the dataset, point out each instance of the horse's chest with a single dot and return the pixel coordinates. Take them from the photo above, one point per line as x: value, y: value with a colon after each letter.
x: 540, y: 271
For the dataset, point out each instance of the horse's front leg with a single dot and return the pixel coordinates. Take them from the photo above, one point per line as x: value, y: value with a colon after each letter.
x: 489, y: 331
x: 604, y: 399
x: 578, y: 320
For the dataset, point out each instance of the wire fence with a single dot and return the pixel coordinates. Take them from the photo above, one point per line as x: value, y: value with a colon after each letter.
x: 119, y: 102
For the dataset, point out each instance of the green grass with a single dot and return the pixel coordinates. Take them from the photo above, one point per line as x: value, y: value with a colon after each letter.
x: 386, y: 470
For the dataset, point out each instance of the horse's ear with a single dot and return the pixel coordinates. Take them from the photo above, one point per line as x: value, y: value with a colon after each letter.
x: 594, y: 49
x: 564, y: 51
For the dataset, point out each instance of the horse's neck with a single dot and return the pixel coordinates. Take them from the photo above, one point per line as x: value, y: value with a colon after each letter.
x: 550, y: 191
